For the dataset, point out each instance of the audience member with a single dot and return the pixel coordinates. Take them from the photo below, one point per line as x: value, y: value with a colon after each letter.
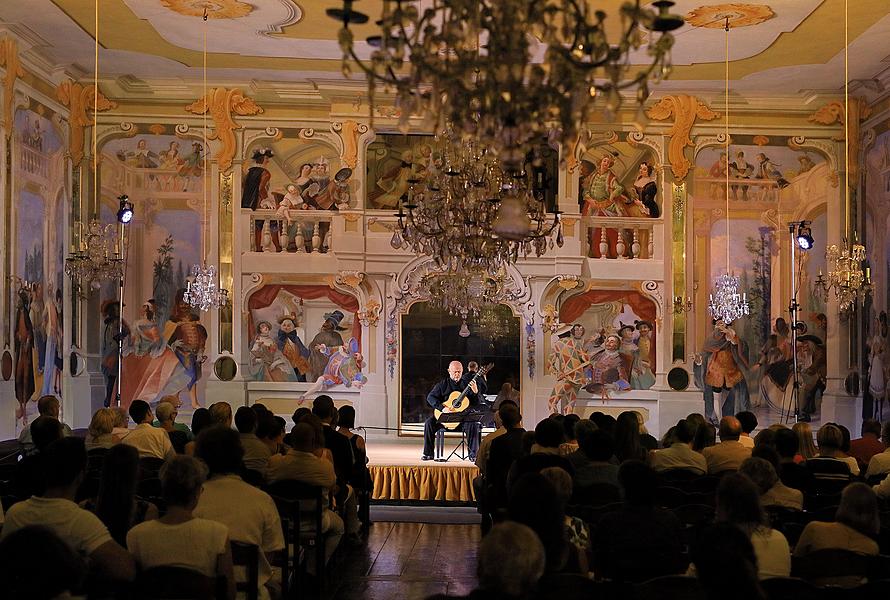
x: 627, y: 438
x: 791, y: 473
x: 576, y: 532
x: 28, y: 478
x: 47, y: 406
x: 806, y: 448
x: 200, y: 419
x: 270, y: 430
x: 35, y: 564
x: 117, y: 504
x: 166, y: 414
x: 64, y: 467
x: 695, y: 420
x: 544, y: 453
x: 647, y: 440
x: 591, y: 461
x: 505, y: 450
x: 856, y: 525
x: 149, y: 441
x: 99, y: 434
x: 344, y: 460
x: 174, y: 401
x: 729, y: 453
x: 845, y: 450
x: 762, y: 471
x: 765, y: 437
x: 880, y: 462
x: 256, y: 452
x: 726, y: 565
x: 604, y: 422
x: 705, y: 437
x: 303, y: 463
x: 829, y: 467
x: 569, y: 423
x: 345, y: 424
x: 640, y: 540
x: 221, y: 414
x: 738, y: 502
x: 179, y: 539
x: 870, y: 444
x: 248, y: 512
x: 679, y: 455
x: 748, y: 421
x: 121, y: 423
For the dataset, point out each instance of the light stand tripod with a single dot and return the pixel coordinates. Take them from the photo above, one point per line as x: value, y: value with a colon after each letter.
x: 796, y: 229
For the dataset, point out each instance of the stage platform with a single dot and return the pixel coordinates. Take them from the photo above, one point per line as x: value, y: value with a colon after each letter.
x: 399, y: 475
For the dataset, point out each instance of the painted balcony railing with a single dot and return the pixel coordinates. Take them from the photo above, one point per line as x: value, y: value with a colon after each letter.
x: 743, y: 190
x: 303, y: 231
x: 622, y: 238
x: 34, y: 162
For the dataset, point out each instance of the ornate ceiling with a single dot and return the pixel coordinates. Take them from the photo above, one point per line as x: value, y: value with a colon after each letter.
x: 790, y: 46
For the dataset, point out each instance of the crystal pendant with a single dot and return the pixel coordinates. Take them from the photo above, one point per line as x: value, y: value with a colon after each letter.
x: 396, y: 240
x: 202, y: 291
x: 464, y: 330
x: 727, y: 303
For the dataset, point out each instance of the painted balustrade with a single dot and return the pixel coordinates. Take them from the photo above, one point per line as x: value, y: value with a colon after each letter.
x: 299, y: 232
x: 621, y: 238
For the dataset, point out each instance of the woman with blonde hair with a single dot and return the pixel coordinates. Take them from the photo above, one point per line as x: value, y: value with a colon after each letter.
x: 807, y: 448
x: 99, y: 434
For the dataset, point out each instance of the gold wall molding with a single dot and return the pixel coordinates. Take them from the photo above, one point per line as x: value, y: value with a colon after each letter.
x: 222, y: 104
x: 9, y: 59
x: 80, y: 102
x: 349, y: 132
x: 685, y: 110
x: 832, y: 113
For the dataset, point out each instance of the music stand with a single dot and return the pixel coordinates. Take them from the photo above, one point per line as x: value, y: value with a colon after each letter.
x: 462, y: 448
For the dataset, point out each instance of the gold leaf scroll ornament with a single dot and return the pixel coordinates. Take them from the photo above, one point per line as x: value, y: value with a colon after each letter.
x: 685, y: 110
x: 80, y: 102
x: 222, y: 103
x: 833, y: 112
x: 9, y: 59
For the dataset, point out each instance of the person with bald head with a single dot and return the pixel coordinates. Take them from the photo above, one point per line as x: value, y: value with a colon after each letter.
x: 729, y: 454
x: 456, y: 381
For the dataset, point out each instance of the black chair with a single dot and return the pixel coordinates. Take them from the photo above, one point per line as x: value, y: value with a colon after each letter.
x: 565, y: 586
x: 788, y: 521
x: 289, y: 512
x: 790, y: 588
x: 247, y: 556
x: 311, y: 513
x: 173, y: 583
x: 596, y: 494
x: 670, y: 497
x: 150, y: 467
x: 670, y: 587
x: 829, y: 564
x: 677, y: 477
x: 592, y: 514
x: 253, y: 477
x: 814, y: 502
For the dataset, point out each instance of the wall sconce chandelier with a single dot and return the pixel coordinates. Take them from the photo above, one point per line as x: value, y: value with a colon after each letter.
x: 682, y: 305
x: 845, y: 275
x: 509, y: 71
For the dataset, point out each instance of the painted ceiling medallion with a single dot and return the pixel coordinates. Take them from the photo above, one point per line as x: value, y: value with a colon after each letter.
x: 216, y: 9
x: 740, y: 15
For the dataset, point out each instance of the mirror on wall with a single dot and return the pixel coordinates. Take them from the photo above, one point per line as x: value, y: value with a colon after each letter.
x: 6, y: 366
x: 77, y: 364
x: 225, y: 368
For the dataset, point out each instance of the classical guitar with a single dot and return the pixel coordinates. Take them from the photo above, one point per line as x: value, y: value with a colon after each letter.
x: 457, y: 402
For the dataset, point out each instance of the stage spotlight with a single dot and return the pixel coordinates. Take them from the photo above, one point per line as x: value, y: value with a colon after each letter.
x: 125, y: 212
x: 804, y: 236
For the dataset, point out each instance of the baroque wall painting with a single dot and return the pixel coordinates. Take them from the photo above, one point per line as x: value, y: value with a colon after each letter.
x: 619, y: 180
x: 607, y: 346
x: 771, y: 183
x: 39, y: 213
x: 304, y: 333
x: 165, y: 341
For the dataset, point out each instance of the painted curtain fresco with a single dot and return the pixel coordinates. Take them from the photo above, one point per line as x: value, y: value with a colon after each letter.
x: 39, y: 213
x: 770, y: 184
x: 165, y: 341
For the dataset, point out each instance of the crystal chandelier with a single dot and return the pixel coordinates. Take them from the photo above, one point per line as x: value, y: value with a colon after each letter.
x: 96, y: 256
x: 845, y: 275
x: 464, y: 293
x: 726, y: 303
x: 202, y: 291
x: 471, y: 213
x: 509, y: 71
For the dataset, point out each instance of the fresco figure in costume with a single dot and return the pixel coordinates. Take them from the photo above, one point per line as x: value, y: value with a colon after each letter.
x: 740, y: 169
x: 292, y: 347
x: 344, y: 367
x: 813, y: 365
x: 604, y: 197
x: 641, y: 375
x: 188, y: 341
x: 390, y: 188
x: 327, y: 337
x: 609, y: 369
x: 25, y: 383
x: 267, y: 362
x: 720, y: 369
x: 568, y: 360
x: 192, y: 166
x: 254, y: 191
x: 628, y: 347
x: 112, y: 336
x: 52, y: 362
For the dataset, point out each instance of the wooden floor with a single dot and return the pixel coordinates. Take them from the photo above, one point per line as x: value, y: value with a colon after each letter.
x: 408, y: 561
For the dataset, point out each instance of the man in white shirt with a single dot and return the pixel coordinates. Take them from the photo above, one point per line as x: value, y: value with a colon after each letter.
x: 248, y: 512
x: 749, y: 424
x: 47, y: 406
x: 66, y: 460
x: 729, y: 454
x: 256, y: 453
x: 680, y: 455
x: 151, y: 442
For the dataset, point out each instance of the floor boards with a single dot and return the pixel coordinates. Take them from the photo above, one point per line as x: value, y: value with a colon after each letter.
x: 408, y: 561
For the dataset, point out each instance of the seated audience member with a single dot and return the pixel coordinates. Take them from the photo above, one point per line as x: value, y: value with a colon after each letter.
x: 166, y: 414
x: 870, y: 444
x: 880, y: 462
x: 179, y: 539
x: 748, y: 421
x: 603, y: 421
x: 792, y: 474
x: 628, y: 445
x: 845, y: 450
x: 99, y: 435
x: 505, y: 450
x: 535, y: 503
x: 647, y: 440
x: 256, y: 452
x: 765, y: 437
x: 337, y: 443
x: 729, y: 453
x: 149, y: 441
x: 829, y: 466
x: 28, y: 478
x: 544, y: 453
x: 487, y: 439
x: 680, y: 454
x: 270, y: 431
x: 297, y: 417
x: 592, y: 460
x: 577, y: 532
x: 175, y: 402
x: 303, y: 463
x: 569, y: 423
x: 47, y: 406
x: 705, y: 437
x: 117, y: 504
x: 806, y: 446
x: 221, y: 414
x: 200, y: 419
x: 26, y: 577
x: 121, y: 423
x: 64, y: 467
x: 640, y: 540
x: 695, y: 419
x: 856, y: 525
x: 738, y: 502
x: 248, y: 512
x: 345, y: 424
x: 772, y: 491
x: 668, y: 439
x: 726, y: 565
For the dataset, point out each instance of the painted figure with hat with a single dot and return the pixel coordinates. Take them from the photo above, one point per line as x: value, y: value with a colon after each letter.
x: 292, y: 347
x: 608, y: 367
x: 25, y: 382
x: 641, y: 375
x: 254, y: 191
x: 628, y: 346
x: 720, y: 369
x: 568, y: 360
x: 188, y: 341
x: 329, y: 337
x: 812, y: 362
x: 344, y: 367
x: 267, y: 362
x: 112, y: 335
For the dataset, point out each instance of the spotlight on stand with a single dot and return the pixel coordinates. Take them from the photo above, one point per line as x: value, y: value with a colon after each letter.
x: 125, y: 212
x: 804, y: 236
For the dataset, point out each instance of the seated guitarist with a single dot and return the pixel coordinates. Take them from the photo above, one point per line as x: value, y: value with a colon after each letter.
x: 455, y: 382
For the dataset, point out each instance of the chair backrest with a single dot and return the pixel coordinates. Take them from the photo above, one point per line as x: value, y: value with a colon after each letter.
x: 173, y: 583
x: 247, y: 556
x: 830, y: 563
x: 670, y: 587
x: 253, y: 477
x: 789, y: 588
x: 150, y: 466
x: 596, y: 494
x: 671, y: 497
x: 289, y: 513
